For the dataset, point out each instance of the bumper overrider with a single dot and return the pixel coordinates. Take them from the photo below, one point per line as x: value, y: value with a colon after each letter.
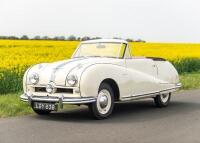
x: 60, y: 99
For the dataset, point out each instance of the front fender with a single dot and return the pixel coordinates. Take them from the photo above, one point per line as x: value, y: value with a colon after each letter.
x: 93, y: 75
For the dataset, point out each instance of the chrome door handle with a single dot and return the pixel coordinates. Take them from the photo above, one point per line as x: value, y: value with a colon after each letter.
x: 154, y: 66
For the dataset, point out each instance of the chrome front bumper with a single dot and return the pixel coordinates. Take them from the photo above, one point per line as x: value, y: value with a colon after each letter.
x: 61, y: 99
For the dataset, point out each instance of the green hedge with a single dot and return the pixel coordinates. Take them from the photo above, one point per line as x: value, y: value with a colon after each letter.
x: 187, y: 65
x: 11, y: 80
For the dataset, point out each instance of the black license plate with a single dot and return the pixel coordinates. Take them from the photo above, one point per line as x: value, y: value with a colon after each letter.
x: 44, y: 106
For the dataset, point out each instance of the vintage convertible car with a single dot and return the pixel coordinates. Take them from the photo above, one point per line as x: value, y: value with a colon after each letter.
x: 99, y: 74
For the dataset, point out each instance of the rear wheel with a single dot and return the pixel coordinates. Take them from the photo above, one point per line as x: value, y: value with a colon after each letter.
x: 104, y: 104
x: 162, y: 100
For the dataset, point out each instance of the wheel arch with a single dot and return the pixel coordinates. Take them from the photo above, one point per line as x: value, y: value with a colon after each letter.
x: 114, y: 86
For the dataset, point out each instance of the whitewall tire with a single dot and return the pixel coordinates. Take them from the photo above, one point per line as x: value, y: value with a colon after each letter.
x: 162, y: 100
x: 104, y: 104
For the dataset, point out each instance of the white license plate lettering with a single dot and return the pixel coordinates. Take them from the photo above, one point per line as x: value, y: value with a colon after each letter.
x: 44, y: 106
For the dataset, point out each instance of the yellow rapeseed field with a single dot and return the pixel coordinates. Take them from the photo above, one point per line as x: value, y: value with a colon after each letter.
x: 21, y: 53
x: 169, y: 51
x: 17, y: 55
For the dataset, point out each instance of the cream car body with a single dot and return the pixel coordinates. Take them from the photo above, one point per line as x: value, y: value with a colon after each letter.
x: 129, y: 77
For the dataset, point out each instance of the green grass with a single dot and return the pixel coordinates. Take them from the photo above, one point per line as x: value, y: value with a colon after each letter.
x: 10, y: 105
x: 190, y: 80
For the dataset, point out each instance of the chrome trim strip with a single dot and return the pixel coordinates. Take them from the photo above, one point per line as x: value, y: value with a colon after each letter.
x: 136, y: 97
x: 150, y: 94
x: 53, y: 74
x: 140, y: 96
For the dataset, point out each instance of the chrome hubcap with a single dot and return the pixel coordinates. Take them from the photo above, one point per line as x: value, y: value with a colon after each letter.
x: 104, y: 101
x: 164, y: 97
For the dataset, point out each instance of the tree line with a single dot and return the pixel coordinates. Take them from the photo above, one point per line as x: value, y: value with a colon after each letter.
x: 61, y: 38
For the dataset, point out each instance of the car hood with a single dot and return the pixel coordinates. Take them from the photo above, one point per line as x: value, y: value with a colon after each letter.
x: 57, y: 72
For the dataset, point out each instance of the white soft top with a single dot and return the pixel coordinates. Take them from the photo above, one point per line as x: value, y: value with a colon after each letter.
x: 105, y: 40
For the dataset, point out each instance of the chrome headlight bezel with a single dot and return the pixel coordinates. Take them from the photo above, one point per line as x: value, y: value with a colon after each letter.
x: 34, y: 78
x: 72, y: 80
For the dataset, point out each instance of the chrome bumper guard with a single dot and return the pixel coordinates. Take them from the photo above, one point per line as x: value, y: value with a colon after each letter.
x: 60, y: 99
x: 178, y: 85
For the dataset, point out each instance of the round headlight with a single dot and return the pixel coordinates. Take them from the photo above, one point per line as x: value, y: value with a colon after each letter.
x: 72, y: 80
x: 34, y: 78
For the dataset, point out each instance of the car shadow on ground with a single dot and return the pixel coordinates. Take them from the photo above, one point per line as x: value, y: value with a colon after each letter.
x: 136, y: 111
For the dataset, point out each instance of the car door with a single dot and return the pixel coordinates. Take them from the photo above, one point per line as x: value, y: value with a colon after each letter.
x: 142, y: 74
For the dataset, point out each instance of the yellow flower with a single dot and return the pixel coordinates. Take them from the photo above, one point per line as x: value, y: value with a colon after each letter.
x: 17, y: 55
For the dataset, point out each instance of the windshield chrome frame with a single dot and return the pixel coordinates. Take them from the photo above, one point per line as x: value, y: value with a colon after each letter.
x: 78, y: 47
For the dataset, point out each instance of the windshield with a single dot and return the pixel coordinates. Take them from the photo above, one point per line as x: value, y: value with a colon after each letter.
x: 113, y: 50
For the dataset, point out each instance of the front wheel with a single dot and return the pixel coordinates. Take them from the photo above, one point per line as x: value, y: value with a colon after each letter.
x: 162, y: 100
x: 104, y: 104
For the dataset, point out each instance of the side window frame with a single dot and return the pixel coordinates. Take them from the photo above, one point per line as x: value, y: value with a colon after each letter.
x: 129, y: 56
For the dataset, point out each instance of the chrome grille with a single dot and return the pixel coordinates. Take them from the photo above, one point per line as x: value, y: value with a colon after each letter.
x: 58, y: 90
